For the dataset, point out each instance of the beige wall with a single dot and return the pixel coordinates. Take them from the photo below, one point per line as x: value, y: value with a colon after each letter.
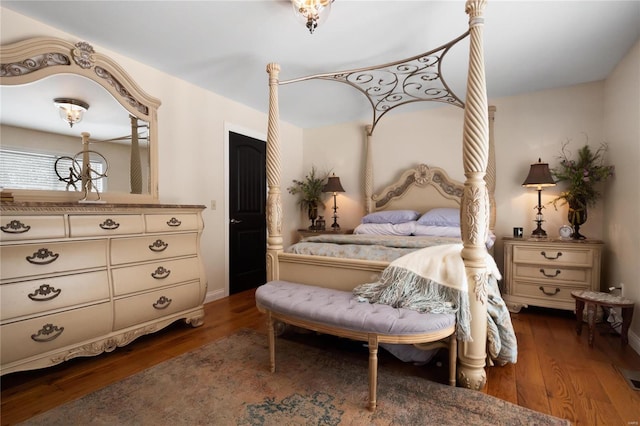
x: 192, y: 144
x: 622, y: 127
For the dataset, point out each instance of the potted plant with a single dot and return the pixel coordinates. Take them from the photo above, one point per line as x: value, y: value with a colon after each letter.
x: 581, y: 176
x: 310, y: 190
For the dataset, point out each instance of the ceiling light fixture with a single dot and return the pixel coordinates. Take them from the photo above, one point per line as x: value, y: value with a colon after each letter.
x: 71, y: 110
x: 312, y: 12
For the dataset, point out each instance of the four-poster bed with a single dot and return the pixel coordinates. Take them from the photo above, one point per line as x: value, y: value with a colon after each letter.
x: 415, y: 79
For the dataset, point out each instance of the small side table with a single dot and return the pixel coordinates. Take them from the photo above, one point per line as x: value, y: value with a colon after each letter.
x: 593, y: 299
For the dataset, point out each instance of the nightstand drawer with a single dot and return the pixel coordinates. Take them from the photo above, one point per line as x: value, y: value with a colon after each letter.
x: 551, y: 274
x: 546, y: 292
x: 153, y: 275
x: 551, y: 255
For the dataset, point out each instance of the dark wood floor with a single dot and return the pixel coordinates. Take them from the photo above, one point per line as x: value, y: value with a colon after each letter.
x: 556, y: 373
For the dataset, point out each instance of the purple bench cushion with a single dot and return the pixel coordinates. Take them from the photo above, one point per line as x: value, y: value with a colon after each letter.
x: 342, y: 309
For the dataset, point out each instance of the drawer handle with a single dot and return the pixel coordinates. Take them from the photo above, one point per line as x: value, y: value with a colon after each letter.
x: 161, y: 273
x: 47, y: 333
x: 44, y: 292
x: 543, y: 272
x: 174, y: 222
x: 109, y: 225
x: 42, y: 257
x: 15, y: 227
x: 162, y: 303
x: 551, y: 258
x: 549, y: 293
x: 158, y: 246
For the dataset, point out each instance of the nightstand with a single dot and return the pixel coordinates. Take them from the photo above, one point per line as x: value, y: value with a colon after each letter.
x: 544, y: 272
x: 309, y: 233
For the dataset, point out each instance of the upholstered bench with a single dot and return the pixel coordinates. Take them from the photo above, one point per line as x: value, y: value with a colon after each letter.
x: 339, y: 313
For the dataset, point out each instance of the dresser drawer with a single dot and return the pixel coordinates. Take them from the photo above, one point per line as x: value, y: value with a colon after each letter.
x: 105, y: 225
x: 26, y: 260
x: 546, y: 292
x: 172, y: 222
x: 32, y: 297
x: 156, y: 304
x: 567, y: 256
x: 550, y: 274
x: 21, y: 228
x: 138, y: 249
x: 149, y: 276
x: 35, y: 336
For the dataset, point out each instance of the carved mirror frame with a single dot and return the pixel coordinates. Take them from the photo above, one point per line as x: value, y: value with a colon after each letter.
x: 33, y: 59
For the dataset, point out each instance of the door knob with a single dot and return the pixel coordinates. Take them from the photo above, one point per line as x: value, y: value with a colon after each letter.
x: 235, y: 221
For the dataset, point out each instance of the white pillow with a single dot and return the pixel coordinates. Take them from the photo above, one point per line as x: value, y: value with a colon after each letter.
x: 443, y: 216
x: 405, y: 229
x: 437, y: 231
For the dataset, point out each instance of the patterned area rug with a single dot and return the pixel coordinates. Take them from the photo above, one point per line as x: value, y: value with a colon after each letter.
x: 228, y: 383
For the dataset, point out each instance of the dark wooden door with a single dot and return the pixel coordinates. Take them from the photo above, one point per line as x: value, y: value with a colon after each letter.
x: 247, y: 202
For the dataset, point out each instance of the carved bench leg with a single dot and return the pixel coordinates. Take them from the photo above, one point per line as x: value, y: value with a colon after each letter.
x: 453, y: 358
x: 272, y: 343
x: 373, y: 370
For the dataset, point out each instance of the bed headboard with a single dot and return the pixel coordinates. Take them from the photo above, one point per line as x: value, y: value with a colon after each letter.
x: 420, y: 188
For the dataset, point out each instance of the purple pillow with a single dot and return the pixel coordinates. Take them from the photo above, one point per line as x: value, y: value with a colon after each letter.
x: 391, y: 216
x: 441, y: 217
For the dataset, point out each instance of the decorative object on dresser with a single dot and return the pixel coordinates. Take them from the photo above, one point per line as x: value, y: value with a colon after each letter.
x: 539, y: 177
x: 545, y: 272
x: 334, y: 185
x: 310, y: 190
x: 79, y: 280
x: 582, y: 176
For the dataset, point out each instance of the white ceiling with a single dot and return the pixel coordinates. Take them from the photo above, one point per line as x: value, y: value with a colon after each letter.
x: 224, y: 46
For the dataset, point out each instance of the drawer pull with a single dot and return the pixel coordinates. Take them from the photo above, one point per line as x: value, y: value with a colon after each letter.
x: 47, y: 333
x: 162, y: 303
x: 158, y: 246
x: 543, y: 272
x: 551, y: 258
x: 44, y: 292
x: 109, y: 225
x: 42, y: 257
x: 549, y: 293
x: 15, y: 227
x: 161, y: 273
x: 174, y: 222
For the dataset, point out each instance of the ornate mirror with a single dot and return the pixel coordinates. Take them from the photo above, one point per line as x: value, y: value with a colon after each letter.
x: 63, y: 104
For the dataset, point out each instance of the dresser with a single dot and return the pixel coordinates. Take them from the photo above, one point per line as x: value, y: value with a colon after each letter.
x: 544, y: 272
x: 83, y: 279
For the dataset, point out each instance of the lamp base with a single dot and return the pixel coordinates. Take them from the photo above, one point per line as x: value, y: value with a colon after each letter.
x: 539, y: 232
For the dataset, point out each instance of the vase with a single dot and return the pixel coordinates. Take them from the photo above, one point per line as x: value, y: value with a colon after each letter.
x: 313, y: 214
x: 577, y: 216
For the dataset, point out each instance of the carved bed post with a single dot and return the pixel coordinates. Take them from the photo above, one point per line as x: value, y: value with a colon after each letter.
x: 274, y: 200
x: 135, y: 171
x: 368, y: 171
x: 490, y: 177
x: 475, y: 204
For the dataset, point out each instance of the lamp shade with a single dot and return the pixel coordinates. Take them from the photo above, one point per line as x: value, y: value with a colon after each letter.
x: 71, y: 110
x: 333, y: 184
x: 539, y: 176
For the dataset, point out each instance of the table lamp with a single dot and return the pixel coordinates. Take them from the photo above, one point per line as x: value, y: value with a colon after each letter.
x: 539, y: 177
x: 334, y: 185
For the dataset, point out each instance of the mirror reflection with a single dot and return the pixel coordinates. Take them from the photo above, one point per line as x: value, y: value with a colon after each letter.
x: 35, y: 134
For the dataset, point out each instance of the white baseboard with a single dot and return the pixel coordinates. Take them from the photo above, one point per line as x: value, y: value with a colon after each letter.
x: 214, y: 295
x: 634, y: 341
